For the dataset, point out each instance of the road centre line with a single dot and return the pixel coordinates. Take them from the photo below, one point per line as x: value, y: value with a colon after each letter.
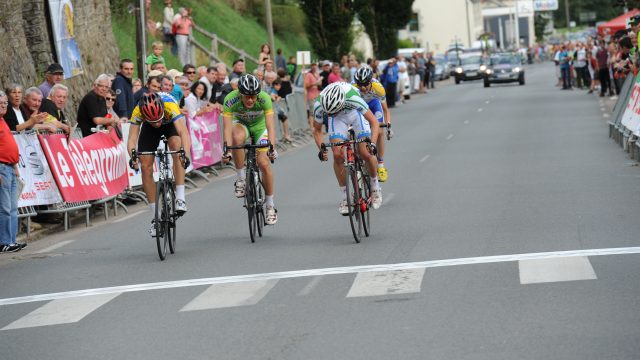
x: 425, y: 158
x: 466, y: 121
x: 129, y: 216
x: 450, y: 137
x: 480, y: 110
x: 318, y: 272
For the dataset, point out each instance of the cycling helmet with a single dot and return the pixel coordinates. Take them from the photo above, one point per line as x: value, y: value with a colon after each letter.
x: 333, y: 97
x: 249, y: 85
x: 363, y: 75
x: 152, y: 107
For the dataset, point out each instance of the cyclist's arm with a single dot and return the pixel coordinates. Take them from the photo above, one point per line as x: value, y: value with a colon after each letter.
x: 375, y: 128
x: 386, y: 112
x: 134, y: 131
x: 271, y: 128
x: 317, y: 133
x: 183, y: 132
x: 227, y: 122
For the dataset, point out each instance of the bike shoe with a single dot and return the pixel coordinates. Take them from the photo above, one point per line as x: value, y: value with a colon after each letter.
x: 239, y: 187
x: 152, y: 229
x: 343, y: 208
x: 271, y: 215
x: 382, y: 174
x: 377, y: 198
x: 181, y: 207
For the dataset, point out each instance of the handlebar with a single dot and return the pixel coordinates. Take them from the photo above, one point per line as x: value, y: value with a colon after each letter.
x: 346, y: 142
x: 226, y: 148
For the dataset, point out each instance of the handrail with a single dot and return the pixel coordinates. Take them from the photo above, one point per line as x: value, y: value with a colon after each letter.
x: 215, y: 40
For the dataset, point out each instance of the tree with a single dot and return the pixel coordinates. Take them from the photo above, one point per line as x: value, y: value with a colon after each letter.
x: 382, y: 19
x: 604, y: 9
x: 540, y: 24
x: 329, y: 26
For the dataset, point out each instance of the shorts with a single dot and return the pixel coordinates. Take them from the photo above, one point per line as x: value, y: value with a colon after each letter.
x: 256, y: 132
x: 376, y: 108
x: 149, y: 138
x: 338, y: 127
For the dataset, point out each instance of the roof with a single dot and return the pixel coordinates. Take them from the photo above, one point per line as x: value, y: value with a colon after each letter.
x: 615, y: 24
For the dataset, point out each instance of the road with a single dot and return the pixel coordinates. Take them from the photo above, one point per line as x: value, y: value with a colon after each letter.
x: 508, y: 231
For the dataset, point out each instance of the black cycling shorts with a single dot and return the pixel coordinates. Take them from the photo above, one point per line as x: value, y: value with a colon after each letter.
x: 149, y: 137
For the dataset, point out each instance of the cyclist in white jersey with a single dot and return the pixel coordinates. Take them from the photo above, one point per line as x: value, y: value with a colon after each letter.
x: 343, y: 107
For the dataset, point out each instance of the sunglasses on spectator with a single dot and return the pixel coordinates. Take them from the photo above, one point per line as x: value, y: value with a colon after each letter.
x: 190, y: 72
x: 110, y: 99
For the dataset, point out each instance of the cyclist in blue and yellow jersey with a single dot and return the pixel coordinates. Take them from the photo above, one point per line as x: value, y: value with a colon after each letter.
x: 155, y: 115
x: 373, y: 93
x: 248, y: 115
x: 341, y: 105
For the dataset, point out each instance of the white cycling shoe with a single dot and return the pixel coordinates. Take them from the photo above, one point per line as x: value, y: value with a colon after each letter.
x: 239, y: 185
x: 343, y: 208
x: 271, y: 215
x: 376, y: 200
x: 181, y: 207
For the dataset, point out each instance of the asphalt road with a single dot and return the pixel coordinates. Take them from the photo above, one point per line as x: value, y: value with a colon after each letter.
x: 508, y: 231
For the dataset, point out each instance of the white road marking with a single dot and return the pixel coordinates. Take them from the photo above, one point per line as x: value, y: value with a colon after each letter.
x: 388, y: 198
x: 466, y: 121
x: 480, y: 110
x: 62, y: 311
x: 194, y: 191
x: 310, y: 286
x: 130, y: 216
x: 603, y: 109
x: 606, y: 115
x: 318, y: 272
x: 425, y: 158
x: 486, y: 102
x: 54, y: 246
x: 554, y: 270
x: 387, y: 283
x: 450, y: 137
x: 219, y: 296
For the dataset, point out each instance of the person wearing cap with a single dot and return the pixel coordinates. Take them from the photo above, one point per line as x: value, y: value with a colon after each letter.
x: 53, y: 75
x: 176, y: 90
x: 326, y: 71
x: 123, y: 88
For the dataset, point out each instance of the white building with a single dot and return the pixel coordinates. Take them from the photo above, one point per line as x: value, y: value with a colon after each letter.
x: 436, y: 24
x: 499, y: 19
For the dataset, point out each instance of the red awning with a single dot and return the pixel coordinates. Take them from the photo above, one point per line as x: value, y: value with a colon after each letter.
x: 619, y: 23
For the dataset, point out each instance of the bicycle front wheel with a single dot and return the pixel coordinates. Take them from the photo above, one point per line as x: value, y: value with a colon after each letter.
x: 365, y: 199
x: 353, y: 199
x: 259, y: 206
x: 172, y: 218
x: 250, y: 204
x: 160, y: 221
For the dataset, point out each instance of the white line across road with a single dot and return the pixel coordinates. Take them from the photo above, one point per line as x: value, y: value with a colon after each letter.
x: 318, y: 272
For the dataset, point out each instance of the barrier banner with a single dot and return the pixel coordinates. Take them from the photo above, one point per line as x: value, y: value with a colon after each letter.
x: 631, y: 116
x: 85, y: 169
x: 206, y: 140
x: 39, y: 186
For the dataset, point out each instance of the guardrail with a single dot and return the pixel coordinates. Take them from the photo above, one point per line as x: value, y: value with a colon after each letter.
x: 214, y: 51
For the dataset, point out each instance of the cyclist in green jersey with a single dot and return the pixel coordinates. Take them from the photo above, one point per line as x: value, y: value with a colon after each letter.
x: 248, y: 114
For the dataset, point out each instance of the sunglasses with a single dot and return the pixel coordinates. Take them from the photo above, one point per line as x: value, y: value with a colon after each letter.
x: 190, y: 72
x: 110, y: 99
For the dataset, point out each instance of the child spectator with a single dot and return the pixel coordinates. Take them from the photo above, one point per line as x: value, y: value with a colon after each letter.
x: 280, y: 107
x: 136, y: 84
x: 156, y: 56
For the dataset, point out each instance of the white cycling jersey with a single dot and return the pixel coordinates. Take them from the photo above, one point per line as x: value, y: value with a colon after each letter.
x: 352, y: 114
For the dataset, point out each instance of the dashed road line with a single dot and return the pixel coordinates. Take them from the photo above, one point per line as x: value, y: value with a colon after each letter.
x: 425, y: 158
x: 450, y: 137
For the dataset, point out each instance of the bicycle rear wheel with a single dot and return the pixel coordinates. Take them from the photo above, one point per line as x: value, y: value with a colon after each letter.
x: 171, y: 223
x: 160, y: 221
x: 353, y: 199
x: 250, y: 204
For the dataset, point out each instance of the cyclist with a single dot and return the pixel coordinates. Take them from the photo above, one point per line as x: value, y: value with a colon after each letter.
x: 155, y: 115
x: 373, y: 93
x: 248, y: 114
x: 343, y: 107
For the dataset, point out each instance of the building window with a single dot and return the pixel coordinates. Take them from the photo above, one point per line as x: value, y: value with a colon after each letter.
x: 413, y: 23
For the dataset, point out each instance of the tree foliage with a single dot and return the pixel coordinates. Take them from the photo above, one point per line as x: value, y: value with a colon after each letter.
x: 382, y: 19
x: 540, y: 24
x: 329, y: 26
x: 604, y: 9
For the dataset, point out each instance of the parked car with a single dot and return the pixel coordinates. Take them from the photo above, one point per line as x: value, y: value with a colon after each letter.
x: 471, y: 67
x: 504, y: 68
x: 442, y: 67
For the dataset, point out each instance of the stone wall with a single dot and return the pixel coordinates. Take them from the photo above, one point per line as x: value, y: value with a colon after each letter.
x: 27, y: 46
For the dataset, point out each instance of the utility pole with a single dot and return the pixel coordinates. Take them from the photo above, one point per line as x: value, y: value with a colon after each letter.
x: 141, y: 39
x: 566, y: 10
x: 466, y: 6
x: 517, y: 24
x: 272, y: 43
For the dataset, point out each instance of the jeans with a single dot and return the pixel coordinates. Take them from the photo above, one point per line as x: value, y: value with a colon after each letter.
x: 8, y: 205
x: 566, y: 77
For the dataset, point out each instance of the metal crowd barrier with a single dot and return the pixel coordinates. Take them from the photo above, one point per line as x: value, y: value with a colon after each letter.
x: 65, y: 208
x: 27, y: 212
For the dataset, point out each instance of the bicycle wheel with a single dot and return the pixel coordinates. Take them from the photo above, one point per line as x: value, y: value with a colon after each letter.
x: 259, y: 206
x: 365, y: 200
x: 353, y: 197
x: 250, y: 204
x: 160, y: 218
x: 171, y: 224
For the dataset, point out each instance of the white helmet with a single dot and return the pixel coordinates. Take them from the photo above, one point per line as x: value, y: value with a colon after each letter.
x: 332, y: 98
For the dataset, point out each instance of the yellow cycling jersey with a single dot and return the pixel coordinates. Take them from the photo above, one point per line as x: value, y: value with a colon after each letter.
x: 375, y: 92
x: 172, y: 111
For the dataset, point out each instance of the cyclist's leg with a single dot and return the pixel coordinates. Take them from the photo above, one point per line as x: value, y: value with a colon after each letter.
x: 175, y: 144
x: 239, y: 135
x: 363, y: 129
x: 376, y: 108
x: 338, y: 131
x: 260, y: 135
x: 148, y: 141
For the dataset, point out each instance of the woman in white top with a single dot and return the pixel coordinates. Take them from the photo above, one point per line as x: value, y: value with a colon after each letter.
x: 197, y: 103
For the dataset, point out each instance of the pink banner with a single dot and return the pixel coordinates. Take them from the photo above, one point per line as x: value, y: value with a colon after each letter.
x: 206, y: 140
x: 87, y: 169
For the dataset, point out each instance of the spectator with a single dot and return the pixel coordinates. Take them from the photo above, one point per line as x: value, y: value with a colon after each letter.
x: 390, y: 80
x: 228, y: 88
x: 238, y: 69
x: 222, y: 72
x: 56, y: 102
x: 312, y: 83
x: 281, y: 62
x: 268, y: 67
x: 14, y: 117
x: 136, y: 84
x: 412, y: 71
x: 153, y: 85
x: 196, y: 103
x: 159, y: 66
x: 602, y: 58
x: 421, y: 69
x: 265, y: 54
x: 593, y: 71
x: 183, y: 23
x: 167, y: 26
x: 123, y: 88
x: 31, y: 109
x: 190, y: 72
x: 185, y: 87
x: 280, y: 107
x: 217, y: 85
x: 156, y: 55
x: 53, y: 75
x: 292, y: 68
x: 581, y: 67
x: 565, y: 68
x: 285, y: 84
x: 176, y: 91
x: 209, y: 79
x: 9, y: 157
x: 110, y: 100
x: 166, y: 85
x: 259, y: 74
x: 92, y: 110
x: 324, y: 74
x: 335, y: 75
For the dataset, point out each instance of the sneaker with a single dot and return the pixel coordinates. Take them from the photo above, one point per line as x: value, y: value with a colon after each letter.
x: 343, y: 208
x: 11, y: 247
x: 181, y: 207
x: 382, y: 174
x: 377, y: 198
x: 271, y: 215
x: 239, y: 187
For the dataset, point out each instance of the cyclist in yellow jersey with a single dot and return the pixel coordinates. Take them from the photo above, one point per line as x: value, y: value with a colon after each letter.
x: 373, y: 93
x: 155, y: 115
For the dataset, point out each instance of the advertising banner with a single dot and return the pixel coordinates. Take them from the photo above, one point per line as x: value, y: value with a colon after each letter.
x: 39, y: 186
x: 631, y: 116
x: 62, y: 21
x: 206, y: 140
x: 90, y: 168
